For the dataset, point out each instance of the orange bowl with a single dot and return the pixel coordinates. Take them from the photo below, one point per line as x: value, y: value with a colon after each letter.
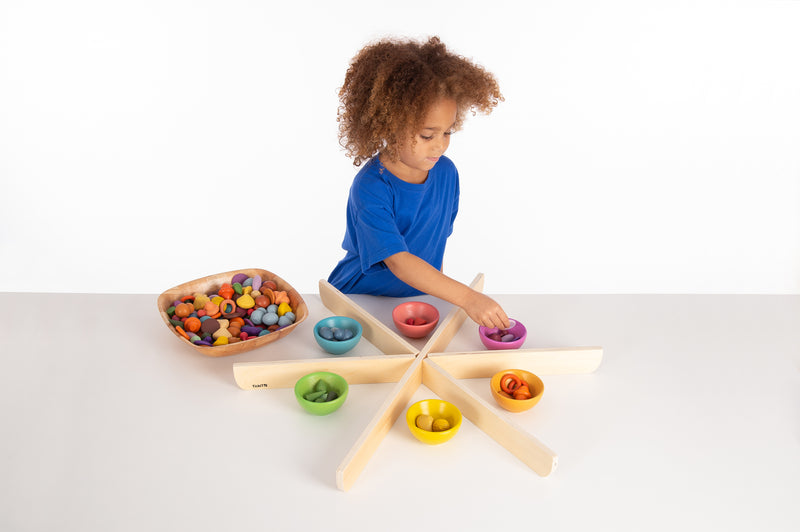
x: 210, y: 285
x: 517, y: 405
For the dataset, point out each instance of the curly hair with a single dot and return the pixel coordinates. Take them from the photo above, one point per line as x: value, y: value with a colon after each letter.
x: 390, y: 86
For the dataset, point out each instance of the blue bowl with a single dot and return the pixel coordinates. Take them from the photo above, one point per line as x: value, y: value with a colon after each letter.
x: 338, y: 347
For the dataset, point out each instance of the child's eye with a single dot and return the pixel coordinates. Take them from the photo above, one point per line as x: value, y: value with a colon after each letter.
x: 430, y: 137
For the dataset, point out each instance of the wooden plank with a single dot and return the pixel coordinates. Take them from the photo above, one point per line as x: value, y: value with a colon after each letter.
x: 374, y: 330
x: 477, y: 282
x: 524, y: 446
x: 547, y: 361
x: 355, y: 370
x: 452, y: 323
x: 394, y: 405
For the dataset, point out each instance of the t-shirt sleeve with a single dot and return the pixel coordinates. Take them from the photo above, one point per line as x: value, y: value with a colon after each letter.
x: 456, y: 198
x: 377, y: 234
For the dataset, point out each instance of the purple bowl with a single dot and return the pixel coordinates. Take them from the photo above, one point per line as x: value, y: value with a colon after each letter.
x: 517, y: 329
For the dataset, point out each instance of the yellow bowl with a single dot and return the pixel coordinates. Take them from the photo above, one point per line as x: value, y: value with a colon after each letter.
x: 517, y: 405
x: 438, y: 409
x: 212, y: 283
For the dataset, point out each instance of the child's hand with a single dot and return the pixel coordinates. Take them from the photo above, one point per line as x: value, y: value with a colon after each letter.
x: 485, y: 311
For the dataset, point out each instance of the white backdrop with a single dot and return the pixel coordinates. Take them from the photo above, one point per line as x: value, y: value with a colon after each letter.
x: 642, y: 147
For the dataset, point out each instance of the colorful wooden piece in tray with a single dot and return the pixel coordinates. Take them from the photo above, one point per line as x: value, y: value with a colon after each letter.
x: 224, y: 305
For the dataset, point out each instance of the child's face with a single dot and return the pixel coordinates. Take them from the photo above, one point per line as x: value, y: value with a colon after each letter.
x: 416, y: 159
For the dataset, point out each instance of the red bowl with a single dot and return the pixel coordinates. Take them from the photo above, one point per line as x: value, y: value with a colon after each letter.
x: 415, y: 319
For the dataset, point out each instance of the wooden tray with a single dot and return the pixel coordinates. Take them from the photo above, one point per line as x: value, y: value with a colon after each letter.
x: 211, y: 284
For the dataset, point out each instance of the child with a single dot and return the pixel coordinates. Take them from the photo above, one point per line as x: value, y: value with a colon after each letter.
x: 400, y: 102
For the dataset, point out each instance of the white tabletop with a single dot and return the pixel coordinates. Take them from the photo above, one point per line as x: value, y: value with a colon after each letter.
x: 692, y: 422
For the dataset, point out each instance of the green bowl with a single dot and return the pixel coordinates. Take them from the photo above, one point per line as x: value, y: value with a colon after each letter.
x: 314, y: 382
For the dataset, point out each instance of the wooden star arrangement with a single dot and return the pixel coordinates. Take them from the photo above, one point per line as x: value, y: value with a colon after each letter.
x: 409, y: 367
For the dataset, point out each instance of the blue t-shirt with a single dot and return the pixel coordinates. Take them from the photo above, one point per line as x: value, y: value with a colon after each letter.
x: 386, y: 215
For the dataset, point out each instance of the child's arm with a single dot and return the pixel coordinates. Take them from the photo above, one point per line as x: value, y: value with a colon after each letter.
x: 415, y: 272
